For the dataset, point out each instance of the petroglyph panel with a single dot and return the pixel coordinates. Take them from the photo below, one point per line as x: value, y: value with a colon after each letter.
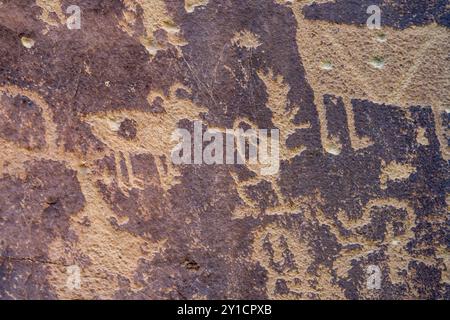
x: 93, y: 207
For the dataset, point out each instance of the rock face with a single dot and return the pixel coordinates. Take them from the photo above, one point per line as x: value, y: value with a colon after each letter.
x: 92, y: 206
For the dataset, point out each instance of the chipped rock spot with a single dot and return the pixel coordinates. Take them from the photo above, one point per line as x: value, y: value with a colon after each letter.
x: 333, y: 146
x: 377, y: 62
x: 27, y: 42
x: 114, y: 125
x: 381, y: 37
x: 326, y: 65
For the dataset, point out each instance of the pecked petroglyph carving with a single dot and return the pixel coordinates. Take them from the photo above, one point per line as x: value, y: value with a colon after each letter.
x: 153, y: 134
x: 128, y: 136
x: 282, y: 119
x: 286, y: 257
x: 397, y: 230
x: 285, y: 250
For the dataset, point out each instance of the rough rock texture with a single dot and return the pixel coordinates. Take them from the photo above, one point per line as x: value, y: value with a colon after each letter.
x: 91, y: 205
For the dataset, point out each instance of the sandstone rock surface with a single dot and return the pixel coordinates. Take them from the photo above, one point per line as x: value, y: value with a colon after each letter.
x: 91, y: 206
